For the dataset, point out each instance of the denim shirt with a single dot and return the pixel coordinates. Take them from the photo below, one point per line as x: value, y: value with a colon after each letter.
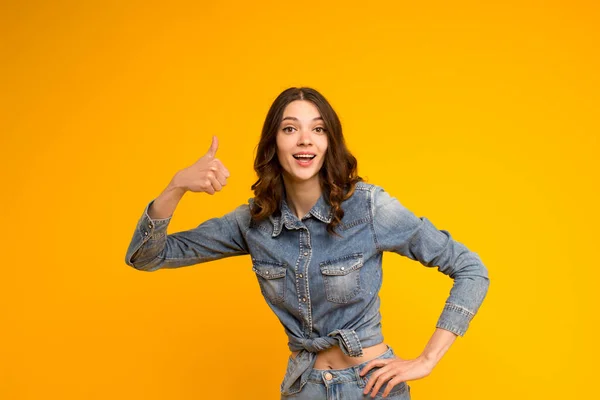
x: 323, y: 288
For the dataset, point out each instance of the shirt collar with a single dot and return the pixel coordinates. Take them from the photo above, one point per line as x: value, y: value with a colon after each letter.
x: 321, y: 211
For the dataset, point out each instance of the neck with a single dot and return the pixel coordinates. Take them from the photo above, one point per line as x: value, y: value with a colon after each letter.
x: 302, y: 196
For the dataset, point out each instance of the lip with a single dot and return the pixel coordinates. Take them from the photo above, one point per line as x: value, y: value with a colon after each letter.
x: 305, y: 163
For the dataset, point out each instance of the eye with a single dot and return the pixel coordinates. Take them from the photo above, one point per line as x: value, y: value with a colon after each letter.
x: 288, y: 127
x: 321, y: 129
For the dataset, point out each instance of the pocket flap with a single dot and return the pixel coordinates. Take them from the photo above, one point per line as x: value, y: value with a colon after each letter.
x: 269, y: 271
x: 342, y: 266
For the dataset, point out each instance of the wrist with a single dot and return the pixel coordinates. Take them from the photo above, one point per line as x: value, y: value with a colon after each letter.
x: 428, y: 359
x: 176, y: 187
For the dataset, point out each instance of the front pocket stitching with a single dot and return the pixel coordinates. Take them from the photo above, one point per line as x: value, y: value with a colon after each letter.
x: 329, y: 289
x: 326, y: 271
x: 277, y: 298
x: 335, y: 260
x: 328, y: 278
x: 280, y: 273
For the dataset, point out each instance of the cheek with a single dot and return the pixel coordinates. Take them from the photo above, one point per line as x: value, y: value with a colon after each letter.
x: 324, y: 144
x: 280, y: 158
x: 282, y: 145
x: 325, y: 151
x: 323, y: 148
x: 279, y: 148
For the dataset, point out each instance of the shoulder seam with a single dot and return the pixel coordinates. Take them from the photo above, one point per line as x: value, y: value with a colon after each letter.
x: 371, y: 205
x: 364, y: 186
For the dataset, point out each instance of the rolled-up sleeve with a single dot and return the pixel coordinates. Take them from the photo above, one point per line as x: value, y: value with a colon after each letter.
x: 151, y: 248
x: 398, y: 230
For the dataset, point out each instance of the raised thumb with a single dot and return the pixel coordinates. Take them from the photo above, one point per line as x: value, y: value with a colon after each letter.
x: 212, y: 151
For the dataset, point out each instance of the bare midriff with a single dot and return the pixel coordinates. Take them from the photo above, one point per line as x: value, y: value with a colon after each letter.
x: 334, y: 357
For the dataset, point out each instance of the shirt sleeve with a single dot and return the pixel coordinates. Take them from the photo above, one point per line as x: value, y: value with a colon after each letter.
x: 151, y: 248
x: 398, y: 230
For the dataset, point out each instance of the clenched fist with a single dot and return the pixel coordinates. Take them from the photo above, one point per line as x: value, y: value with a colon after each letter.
x: 208, y: 174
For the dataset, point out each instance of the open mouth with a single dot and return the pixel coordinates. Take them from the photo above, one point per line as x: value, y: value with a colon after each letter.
x: 305, y: 157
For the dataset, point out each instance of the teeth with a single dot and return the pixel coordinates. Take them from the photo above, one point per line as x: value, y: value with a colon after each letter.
x: 308, y: 156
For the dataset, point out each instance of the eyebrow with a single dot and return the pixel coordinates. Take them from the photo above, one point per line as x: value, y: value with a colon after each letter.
x: 296, y: 119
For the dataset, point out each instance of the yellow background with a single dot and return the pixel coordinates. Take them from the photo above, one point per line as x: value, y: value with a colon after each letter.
x: 479, y: 115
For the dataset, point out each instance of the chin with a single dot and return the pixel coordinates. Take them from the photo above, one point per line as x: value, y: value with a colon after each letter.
x: 301, y: 178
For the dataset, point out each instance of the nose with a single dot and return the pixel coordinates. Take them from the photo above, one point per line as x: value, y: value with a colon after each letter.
x: 304, y: 138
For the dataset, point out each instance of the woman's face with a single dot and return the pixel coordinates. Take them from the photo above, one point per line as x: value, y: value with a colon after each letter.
x: 301, y: 142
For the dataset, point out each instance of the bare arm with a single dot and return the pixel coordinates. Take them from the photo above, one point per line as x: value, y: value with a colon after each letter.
x: 151, y: 248
x: 438, y: 345
x: 165, y: 204
x: 399, y: 230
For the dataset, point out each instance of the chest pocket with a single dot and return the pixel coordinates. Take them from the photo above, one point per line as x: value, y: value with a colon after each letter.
x: 271, y: 278
x: 341, y: 277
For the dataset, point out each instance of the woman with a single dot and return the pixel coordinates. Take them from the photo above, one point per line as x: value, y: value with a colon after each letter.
x: 316, y: 233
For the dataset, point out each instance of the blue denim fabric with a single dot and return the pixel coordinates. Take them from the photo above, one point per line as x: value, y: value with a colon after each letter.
x: 345, y: 384
x: 323, y: 288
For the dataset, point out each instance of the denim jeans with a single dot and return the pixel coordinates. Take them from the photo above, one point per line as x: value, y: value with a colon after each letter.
x: 346, y: 384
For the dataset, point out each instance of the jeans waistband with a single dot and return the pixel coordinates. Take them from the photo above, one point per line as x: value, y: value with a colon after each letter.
x: 349, y: 374
x: 350, y: 342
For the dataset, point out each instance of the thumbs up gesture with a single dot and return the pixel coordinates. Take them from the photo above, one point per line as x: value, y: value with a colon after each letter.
x: 208, y: 174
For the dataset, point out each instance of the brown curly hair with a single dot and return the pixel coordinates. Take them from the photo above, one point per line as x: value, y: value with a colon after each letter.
x: 338, y: 175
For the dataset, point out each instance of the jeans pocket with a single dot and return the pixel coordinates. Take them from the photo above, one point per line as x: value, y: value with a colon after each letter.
x: 341, y: 277
x: 271, y: 278
x: 400, y: 390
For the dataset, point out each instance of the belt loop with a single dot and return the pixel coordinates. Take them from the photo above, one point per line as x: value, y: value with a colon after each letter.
x: 359, y: 379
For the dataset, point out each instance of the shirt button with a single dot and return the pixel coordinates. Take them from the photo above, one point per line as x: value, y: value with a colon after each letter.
x: 328, y: 376
x: 306, y: 253
x: 299, y: 275
x: 266, y: 272
x: 145, y: 233
x: 304, y: 299
x: 342, y: 268
x: 149, y: 225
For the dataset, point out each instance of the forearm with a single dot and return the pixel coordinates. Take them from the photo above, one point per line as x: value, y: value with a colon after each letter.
x: 440, y: 342
x: 165, y: 204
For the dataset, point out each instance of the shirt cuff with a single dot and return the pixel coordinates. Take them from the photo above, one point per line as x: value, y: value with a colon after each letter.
x: 149, y: 227
x: 455, y: 319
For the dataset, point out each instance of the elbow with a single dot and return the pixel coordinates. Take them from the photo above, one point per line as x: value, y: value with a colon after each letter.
x: 484, y: 286
x: 146, y: 266
x: 483, y: 283
x: 470, y: 268
x: 485, y: 277
x: 480, y: 272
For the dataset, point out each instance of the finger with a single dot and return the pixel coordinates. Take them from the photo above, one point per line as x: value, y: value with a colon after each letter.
x: 219, y: 175
x: 372, y: 364
x: 381, y: 379
x: 213, y: 147
x: 208, y: 188
x: 391, y: 385
x: 214, y: 182
x: 373, y: 379
x: 220, y: 164
x: 217, y: 163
